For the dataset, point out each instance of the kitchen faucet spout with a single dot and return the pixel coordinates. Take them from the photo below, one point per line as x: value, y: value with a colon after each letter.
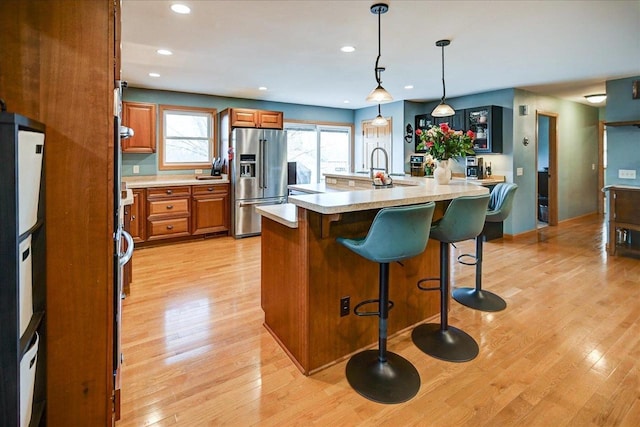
x: 386, y: 161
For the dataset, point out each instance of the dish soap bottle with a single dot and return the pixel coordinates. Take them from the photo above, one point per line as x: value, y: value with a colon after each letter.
x: 489, y: 169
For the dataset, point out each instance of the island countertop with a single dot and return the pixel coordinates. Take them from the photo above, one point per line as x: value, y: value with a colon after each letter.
x: 362, y: 199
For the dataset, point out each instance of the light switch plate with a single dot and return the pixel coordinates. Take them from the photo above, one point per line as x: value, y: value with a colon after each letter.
x: 519, y: 171
x: 626, y: 173
x: 136, y: 169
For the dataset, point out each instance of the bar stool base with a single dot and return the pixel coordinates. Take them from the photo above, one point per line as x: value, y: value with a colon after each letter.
x: 393, y: 381
x: 451, y: 345
x: 479, y: 299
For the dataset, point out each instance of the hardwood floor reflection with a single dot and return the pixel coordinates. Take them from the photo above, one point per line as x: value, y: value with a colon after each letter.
x: 566, y: 350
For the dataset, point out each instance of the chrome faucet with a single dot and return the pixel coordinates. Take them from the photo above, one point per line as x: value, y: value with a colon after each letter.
x: 386, y: 161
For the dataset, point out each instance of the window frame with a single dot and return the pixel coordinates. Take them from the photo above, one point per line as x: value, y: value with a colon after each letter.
x: 213, y: 137
x: 318, y: 127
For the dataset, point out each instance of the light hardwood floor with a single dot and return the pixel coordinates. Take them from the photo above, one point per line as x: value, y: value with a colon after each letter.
x: 565, y: 352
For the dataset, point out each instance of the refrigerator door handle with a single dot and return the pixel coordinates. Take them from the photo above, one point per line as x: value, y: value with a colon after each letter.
x: 261, y: 202
x: 126, y: 256
x: 264, y: 162
x: 261, y: 164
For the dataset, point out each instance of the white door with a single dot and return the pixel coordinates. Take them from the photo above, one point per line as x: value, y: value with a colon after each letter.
x: 373, y: 137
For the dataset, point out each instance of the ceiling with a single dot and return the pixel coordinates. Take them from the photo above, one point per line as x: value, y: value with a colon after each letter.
x: 566, y: 49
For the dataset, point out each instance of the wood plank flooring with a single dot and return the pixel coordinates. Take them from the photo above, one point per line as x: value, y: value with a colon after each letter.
x: 565, y: 352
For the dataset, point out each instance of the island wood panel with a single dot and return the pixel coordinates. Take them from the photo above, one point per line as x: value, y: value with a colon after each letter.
x: 304, y: 276
x: 284, y: 296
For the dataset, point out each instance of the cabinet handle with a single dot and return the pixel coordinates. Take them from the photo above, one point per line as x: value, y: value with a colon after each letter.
x: 169, y: 192
x: 210, y: 189
x: 169, y: 206
x: 169, y: 227
x: 133, y: 218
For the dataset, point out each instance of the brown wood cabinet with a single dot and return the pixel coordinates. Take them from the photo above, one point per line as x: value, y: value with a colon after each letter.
x: 210, y: 209
x: 137, y: 217
x: 250, y: 118
x: 624, y: 220
x: 141, y: 117
x: 168, y: 212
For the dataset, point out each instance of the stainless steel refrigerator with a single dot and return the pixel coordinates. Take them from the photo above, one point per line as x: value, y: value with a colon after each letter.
x: 258, y: 174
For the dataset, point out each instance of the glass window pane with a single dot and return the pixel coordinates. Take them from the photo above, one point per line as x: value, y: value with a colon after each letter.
x: 334, y: 151
x: 302, y: 147
x: 186, y: 125
x: 186, y: 151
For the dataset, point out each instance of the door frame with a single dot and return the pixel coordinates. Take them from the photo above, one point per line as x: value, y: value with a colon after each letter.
x: 601, y: 194
x: 553, y: 165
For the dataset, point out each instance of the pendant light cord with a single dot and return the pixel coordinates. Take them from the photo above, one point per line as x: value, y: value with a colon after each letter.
x: 375, y: 70
x: 443, y: 86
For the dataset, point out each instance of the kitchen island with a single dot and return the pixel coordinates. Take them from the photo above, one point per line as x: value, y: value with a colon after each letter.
x: 306, y: 275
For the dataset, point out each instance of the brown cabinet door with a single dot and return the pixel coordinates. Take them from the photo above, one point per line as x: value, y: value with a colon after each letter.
x: 210, y: 209
x: 244, y: 118
x: 270, y: 120
x: 137, y: 216
x: 141, y: 117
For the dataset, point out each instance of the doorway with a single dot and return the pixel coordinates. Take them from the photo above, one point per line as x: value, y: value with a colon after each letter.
x: 374, y: 137
x: 546, y: 169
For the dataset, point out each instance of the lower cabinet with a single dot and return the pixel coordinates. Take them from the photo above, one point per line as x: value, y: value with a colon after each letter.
x: 168, y: 212
x: 161, y: 213
x: 209, y: 209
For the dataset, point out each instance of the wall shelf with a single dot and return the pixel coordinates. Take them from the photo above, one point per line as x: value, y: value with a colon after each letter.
x: 635, y: 123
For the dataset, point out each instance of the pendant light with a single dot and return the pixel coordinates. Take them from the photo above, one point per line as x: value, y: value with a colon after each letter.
x: 443, y: 109
x: 379, y: 94
x: 379, y: 120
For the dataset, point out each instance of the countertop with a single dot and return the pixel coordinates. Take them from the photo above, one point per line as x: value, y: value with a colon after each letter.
x: 145, y: 181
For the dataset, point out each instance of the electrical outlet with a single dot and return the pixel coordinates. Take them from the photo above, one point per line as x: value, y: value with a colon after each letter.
x: 136, y: 168
x: 519, y: 171
x: 626, y: 173
x: 345, y: 306
x: 593, y: 166
x: 352, y: 183
x: 198, y: 171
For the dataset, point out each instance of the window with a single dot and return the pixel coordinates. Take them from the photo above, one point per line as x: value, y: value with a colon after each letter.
x: 187, y: 137
x: 318, y: 149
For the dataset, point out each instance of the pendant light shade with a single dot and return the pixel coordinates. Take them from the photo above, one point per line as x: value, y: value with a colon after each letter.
x: 379, y: 120
x: 379, y: 94
x: 443, y: 109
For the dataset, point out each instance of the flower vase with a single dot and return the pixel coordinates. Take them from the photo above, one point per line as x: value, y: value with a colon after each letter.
x: 442, y: 174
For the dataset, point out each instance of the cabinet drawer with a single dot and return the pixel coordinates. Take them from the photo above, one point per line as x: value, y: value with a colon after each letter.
x: 168, y: 228
x: 201, y: 190
x: 168, y: 207
x: 161, y: 192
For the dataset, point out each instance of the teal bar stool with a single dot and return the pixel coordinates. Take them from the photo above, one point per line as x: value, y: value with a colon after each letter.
x: 395, y: 234
x: 463, y: 220
x: 499, y: 209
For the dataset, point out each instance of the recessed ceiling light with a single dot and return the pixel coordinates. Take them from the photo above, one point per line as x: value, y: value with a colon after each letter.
x: 164, y: 52
x: 408, y: 87
x: 154, y: 75
x: 348, y: 49
x: 597, y: 98
x: 180, y: 8
x: 262, y: 88
x: 346, y: 101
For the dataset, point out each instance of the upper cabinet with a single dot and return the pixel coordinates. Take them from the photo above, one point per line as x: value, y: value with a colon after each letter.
x: 486, y: 122
x: 250, y: 118
x: 141, y: 117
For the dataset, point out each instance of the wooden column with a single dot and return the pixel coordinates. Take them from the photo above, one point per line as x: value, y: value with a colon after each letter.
x: 58, y: 68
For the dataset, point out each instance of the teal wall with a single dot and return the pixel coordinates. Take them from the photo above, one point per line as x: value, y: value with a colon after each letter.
x: 623, y: 143
x: 577, y: 130
x: 149, y: 162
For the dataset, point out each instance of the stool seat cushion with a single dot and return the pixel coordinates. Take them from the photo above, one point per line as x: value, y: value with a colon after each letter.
x: 463, y: 219
x: 395, y: 234
x: 501, y: 202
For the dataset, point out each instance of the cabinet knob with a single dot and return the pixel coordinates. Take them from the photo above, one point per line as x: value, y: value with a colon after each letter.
x: 133, y: 218
x: 169, y: 206
x: 169, y: 192
x: 169, y: 227
x: 210, y: 189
